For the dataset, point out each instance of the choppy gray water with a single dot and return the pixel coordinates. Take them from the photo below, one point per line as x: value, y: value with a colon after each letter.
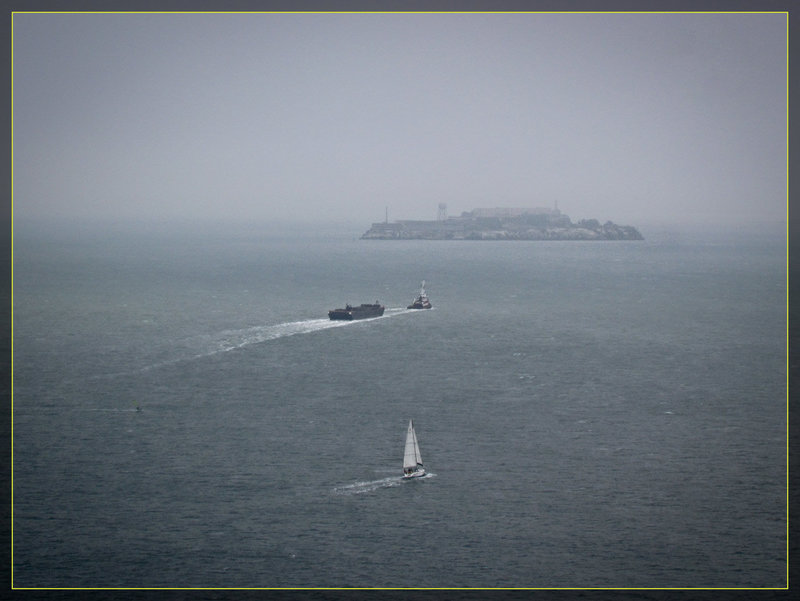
x: 592, y: 414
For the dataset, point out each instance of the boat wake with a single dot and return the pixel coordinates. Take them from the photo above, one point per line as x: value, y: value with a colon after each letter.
x: 230, y: 340
x: 357, y: 488
x: 207, y: 345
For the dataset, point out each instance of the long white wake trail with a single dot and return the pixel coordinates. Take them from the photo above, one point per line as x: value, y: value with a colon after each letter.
x: 206, y: 345
x: 229, y: 340
x: 234, y: 339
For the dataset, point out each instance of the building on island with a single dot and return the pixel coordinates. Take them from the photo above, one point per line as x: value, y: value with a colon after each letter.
x: 501, y: 223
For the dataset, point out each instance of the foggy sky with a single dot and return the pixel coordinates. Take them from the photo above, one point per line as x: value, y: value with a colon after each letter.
x: 628, y: 117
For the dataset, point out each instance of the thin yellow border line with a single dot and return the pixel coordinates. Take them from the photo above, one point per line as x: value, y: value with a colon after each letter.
x: 786, y: 587
x: 786, y: 191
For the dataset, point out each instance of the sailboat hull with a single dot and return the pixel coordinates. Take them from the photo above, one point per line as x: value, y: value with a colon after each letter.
x: 416, y: 474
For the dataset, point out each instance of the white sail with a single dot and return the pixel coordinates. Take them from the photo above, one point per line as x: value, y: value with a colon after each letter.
x: 411, y: 457
x: 416, y: 448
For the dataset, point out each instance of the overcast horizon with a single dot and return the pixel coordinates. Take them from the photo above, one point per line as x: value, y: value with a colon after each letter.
x: 633, y: 118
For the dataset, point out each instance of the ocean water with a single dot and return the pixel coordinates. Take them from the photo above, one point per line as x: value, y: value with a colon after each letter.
x: 592, y: 414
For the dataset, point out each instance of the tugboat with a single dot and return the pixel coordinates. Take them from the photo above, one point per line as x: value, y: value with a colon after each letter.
x: 361, y: 312
x: 421, y: 302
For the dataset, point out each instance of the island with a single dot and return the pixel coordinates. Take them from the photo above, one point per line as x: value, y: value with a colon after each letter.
x: 502, y: 224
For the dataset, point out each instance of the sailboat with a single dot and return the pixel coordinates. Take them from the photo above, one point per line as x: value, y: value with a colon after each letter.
x: 412, y: 460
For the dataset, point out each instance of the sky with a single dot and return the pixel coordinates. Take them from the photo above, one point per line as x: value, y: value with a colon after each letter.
x: 633, y: 118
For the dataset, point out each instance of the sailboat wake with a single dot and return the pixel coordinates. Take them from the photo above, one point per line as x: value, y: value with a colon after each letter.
x: 361, y: 487
x: 357, y: 488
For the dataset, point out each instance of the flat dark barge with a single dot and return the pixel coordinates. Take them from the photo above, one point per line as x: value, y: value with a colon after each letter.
x: 363, y: 311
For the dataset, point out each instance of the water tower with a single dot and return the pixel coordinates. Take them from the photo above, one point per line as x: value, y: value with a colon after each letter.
x: 442, y: 214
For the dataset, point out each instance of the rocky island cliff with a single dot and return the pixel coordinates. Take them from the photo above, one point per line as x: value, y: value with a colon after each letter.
x: 502, y: 224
